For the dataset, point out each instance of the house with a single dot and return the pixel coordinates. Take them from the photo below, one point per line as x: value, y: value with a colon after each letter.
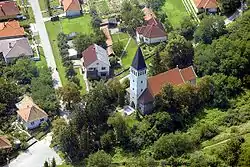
x: 8, y: 10
x: 95, y: 62
x: 152, y: 32
x: 30, y: 114
x: 142, y: 89
x: 11, y: 29
x: 72, y: 53
x: 14, y: 48
x: 210, y: 6
x: 72, y: 8
x: 5, y: 144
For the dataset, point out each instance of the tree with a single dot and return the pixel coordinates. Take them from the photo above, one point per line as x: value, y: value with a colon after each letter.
x: 99, y: 159
x: 53, y: 163
x: 132, y: 16
x: 188, y: 27
x: 23, y: 70
x: 69, y: 94
x: 156, y: 65
x: 178, y: 51
x: 120, y: 127
x: 58, y: 126
x: 46, y: 164
x: 81, y: 42
x: 229, y: 6
x: 231, y: 152
x: 210, y: 27
x: 118, y: 48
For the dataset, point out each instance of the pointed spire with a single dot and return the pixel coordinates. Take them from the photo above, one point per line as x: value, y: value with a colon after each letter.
x: 139, y: 62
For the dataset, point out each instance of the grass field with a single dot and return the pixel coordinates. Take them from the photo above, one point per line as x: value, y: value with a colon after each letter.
x: 79, y: 24
x: 67, y: 26
x: 175, y: 11
x: 131, y: 49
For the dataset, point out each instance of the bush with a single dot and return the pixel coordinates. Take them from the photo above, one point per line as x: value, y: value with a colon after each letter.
x: 44, y: 126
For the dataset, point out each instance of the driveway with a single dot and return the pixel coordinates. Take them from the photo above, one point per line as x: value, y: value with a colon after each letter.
x: 45, y: 42
x: 36, y: 155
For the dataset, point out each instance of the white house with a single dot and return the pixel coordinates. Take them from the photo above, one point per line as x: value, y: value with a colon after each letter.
x: 30, y: 114
x: 95, y: 62
x: 210, y: 6
x: 142, y: 89
x: 72, y: 8
x: 153, y: 32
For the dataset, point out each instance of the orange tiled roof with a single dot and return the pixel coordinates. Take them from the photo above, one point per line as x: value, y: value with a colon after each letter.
x: 174, y: 76
x: 71, y: 5
x: 29, y: 111
x: 206, y: 4
x: 4, y: 143
x: 11, y: 29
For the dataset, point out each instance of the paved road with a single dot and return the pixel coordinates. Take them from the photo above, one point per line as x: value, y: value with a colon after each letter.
x: 45, y: 42
x: 36, y: 155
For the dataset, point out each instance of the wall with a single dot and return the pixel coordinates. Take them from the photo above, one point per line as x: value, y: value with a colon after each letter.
x: 154, y: 40
x: 37, y: 123
x: 73, y: 13
x: 98, y: 65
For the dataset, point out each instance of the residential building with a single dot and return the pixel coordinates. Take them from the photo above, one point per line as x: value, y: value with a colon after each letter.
x: 8, y: 10
x: 29, y: 114
x: 142, y: 89
x: 95, y: 62
x: 210, y: 6
x: 11, y: 29
x: 152, y: 32
x: 14, y: 48
x: 5, y: 144
x: 72, y: 8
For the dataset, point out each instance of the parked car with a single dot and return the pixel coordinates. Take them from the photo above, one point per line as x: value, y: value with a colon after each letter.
x: 21, y: 17
x: 55, y: 18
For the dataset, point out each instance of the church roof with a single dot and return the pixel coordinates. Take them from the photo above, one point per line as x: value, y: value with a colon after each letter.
x: 174, y: 77
x: 138, y: 61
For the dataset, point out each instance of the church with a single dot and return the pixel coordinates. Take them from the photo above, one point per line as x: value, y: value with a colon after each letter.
x: 143, y: 90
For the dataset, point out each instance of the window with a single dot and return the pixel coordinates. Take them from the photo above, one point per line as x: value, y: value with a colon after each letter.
x: 133, y: 80
x: 32, y: 123
x: 41, y: 120
x: 133, y: 89
x: 141, y: 81
x: 103, y: 68
x: 90, y: 69
x: 141, y: 90
x: 97, y: 63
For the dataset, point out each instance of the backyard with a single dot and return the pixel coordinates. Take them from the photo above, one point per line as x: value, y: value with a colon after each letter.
x: 80, y: 25
x: 175, y: 11
x: 53, y: 5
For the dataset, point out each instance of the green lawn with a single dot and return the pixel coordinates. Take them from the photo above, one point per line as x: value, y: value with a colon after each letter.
x: 79, y: 24
x: 175, y: 11
x: 82, y: 82
x: 131, y: 49
x: 42, y: 63
x: 53, y: 29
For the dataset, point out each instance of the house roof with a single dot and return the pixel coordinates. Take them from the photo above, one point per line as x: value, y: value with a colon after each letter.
x: 174, y: 77
x: 13, y: 48
x: 11, y: 29
x: 4, y: 143
x: 93, y: 53
x: 206, y: 4
x: 153, y: 29
x: 71, y: 5
x: 29, y: 111
x: 138, y: 61
x: 8, y: 8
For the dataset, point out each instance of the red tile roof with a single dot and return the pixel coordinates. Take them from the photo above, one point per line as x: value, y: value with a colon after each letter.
x: 11, y: 29
x: 71, y: 5
x: 8, y: 8
x: 174, y: 76
x: 153, y: 29
x: 206, y: 4
x: 89, y: 55
x: 4, y: 143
